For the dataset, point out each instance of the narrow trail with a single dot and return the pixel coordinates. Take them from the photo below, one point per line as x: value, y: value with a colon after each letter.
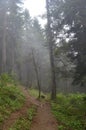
x: 15, y: 115
x: 43, y: 120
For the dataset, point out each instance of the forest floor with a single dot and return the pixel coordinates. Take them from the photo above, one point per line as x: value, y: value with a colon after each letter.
x: 43, y: 119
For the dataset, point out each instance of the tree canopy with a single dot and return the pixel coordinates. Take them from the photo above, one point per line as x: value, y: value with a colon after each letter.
x: 69, y: 24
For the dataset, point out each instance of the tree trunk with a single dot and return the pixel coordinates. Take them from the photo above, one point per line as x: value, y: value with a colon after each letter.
x: 37, y: 75
x: 50, y: 41
x: 4, y: 45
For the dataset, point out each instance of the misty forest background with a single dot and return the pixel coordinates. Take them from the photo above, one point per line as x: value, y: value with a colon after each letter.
x: 25, y: 52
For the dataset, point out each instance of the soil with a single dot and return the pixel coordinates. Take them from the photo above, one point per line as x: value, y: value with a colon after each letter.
x: 43, y: 120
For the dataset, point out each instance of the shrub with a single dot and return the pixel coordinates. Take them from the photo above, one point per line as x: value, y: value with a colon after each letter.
x: 11, y: 99
x: 6, y: 79
x: 70, y: 110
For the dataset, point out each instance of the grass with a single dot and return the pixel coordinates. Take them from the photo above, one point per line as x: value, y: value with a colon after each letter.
x: 70, y: 111
x: 35, y: 92
x: 11, y: 98
x: 24, y: 122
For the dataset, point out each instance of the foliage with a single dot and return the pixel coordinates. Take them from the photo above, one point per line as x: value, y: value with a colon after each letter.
x: 34, y: 93
x: 24, y: 122
x: 11, y: 99
x: 70, y: 111
x: 6, y: 79
x: 69, y: 24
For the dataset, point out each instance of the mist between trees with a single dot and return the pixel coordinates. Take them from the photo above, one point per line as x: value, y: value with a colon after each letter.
x: 24, y: 45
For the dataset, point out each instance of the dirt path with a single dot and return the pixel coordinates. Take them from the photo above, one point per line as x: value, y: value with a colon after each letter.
x: 14, y: 116
x: 43, y: 120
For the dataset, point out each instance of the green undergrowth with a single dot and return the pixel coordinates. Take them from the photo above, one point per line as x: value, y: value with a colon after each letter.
x: 35, y: 93
x: 11, y: 98
x: 24, y: 122
x: 70, y: 111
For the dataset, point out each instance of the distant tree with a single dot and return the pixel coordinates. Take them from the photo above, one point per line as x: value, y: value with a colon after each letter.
x: 64, y: 67
x: 4, y: 32
x: 18, y: 34
x: 31, y: 37
x: 15, y: 23
x: 36, y: 68
x: 9, y: 28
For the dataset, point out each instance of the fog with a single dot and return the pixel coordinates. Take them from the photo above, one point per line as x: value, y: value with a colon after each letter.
x: 23, y: 38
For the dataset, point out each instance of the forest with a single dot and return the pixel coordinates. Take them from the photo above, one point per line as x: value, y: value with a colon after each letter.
x: 43, y: 66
